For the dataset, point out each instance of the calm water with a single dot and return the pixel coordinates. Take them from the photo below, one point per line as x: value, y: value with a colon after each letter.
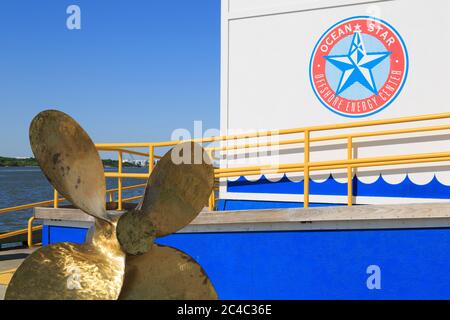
x: 26, y: 185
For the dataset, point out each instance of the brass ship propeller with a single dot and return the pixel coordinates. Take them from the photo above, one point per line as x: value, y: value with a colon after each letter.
x: 120, y: 259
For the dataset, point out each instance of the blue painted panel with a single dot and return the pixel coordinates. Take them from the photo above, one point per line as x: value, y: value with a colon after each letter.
x: 226, y: 205
x: 54, y: 234
x: 414, y: 264
x: 45, y: 235
x: 380, y: 188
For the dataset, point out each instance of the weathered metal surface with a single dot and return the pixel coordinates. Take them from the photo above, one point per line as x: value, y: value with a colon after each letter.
x: 95, y: 270
x: 74, y: 272
x: 174, y: 196
x: 69, y: 160
x: 165, y: 273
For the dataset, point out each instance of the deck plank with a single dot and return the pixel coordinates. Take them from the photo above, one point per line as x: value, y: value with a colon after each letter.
x: 324, y: 218
x: 10, y: 260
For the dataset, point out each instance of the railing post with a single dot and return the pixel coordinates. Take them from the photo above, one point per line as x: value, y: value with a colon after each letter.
x: 306, y: 171
x: 212, y: 201
x: 212, y: 197
x: 30, y: 232
x: 151, y: 158
x: 55, y: 199
x: 350, y: 172
x: 119, y: 181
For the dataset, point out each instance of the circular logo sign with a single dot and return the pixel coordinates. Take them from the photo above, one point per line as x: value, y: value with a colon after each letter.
x: 359, y: 66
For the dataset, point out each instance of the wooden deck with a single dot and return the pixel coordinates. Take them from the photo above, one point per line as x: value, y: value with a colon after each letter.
x: 436, y: 215
x: 401, y: 216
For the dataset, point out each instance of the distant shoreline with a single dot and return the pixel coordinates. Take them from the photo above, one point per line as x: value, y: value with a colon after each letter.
x: 1, y: 166
x: 6, y: 162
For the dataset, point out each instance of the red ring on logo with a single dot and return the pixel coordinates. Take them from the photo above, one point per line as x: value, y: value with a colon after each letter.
x: 393, y: 43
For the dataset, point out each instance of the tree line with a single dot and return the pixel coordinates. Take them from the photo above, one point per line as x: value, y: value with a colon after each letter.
x: 31, y: 162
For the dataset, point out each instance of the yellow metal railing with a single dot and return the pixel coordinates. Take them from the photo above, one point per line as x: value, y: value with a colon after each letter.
x: 6, y: 276
x: 308, y: 137
x: 55, y: 202
x: 307, y: 166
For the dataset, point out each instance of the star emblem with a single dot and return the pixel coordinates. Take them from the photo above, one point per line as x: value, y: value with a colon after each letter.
x: 357, y: 65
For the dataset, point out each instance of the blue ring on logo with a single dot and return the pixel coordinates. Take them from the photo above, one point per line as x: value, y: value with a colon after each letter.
x: 401, y: 86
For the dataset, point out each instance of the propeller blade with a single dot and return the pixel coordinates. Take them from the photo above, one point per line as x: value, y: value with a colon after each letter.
x: 67, y: 271
x: 69, y: 160
x: 165, y: 273
x: 177, y: 190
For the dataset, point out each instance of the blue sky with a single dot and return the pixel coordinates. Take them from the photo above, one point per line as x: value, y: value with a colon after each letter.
x: 137, y: 70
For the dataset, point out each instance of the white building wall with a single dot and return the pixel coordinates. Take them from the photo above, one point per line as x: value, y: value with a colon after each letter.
x: 266, y: 51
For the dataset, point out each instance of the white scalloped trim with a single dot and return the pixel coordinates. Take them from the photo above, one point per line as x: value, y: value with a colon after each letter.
x: 368, y: 179
x: 274, y: 177
x: 340, y: 177
x: 320, y: 178
x: 232, y: 179
x: 443, y: 177
x: 254, y: 178
x: 421, y: 178
x: 395, y: 178
x: 294, y: 176
x: 418, y: 178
